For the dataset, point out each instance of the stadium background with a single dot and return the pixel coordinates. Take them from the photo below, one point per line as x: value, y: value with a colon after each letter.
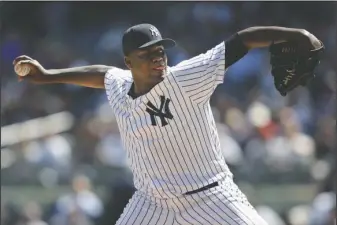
x: 61, y: 156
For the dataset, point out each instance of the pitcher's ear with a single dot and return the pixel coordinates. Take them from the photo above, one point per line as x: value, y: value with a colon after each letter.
x: 127, y: 62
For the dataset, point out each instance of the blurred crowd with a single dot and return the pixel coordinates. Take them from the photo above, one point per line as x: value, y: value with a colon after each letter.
x: 266, y: 138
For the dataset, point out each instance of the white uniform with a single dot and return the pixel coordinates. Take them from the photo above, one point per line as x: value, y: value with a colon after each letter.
x: 173, y: 147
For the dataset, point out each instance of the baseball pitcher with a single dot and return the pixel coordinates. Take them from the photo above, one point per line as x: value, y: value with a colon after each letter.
x: 166, y: 122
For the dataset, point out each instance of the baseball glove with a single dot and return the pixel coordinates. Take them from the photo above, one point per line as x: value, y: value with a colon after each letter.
x: 292, y: 65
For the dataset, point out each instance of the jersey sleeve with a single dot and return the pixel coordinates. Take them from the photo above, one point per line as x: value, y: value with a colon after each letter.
x: 113, y: 85
x: 200, y: 75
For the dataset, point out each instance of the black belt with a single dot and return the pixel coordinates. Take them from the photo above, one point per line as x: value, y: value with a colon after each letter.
x: 203, y: 188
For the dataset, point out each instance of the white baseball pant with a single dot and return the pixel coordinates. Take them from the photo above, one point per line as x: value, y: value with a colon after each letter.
x: 223, y: 204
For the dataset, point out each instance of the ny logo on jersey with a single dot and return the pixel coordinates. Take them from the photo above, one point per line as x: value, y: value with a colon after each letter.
x: 154, y: 31
x: 153, y: 111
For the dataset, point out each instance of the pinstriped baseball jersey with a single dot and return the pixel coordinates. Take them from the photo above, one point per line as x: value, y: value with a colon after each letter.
x: 169, y: 133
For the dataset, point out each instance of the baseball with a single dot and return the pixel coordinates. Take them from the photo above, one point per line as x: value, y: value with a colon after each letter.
x: 21, y: 70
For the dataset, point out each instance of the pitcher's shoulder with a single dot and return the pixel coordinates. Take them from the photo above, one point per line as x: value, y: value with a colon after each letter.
x: 118, y: 74
x: 117, y: 82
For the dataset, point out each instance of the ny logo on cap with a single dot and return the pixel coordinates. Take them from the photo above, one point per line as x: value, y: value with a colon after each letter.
x: 154, y: 31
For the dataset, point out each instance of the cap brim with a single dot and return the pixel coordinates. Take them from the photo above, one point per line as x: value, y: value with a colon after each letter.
x: 166, y: 43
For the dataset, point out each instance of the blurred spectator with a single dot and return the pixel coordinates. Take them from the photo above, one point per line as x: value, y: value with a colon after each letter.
x: 299, y: 215
x: 323, y: 208
x: 80, y: 205
x: 11, y: 214
x: 33, y: 214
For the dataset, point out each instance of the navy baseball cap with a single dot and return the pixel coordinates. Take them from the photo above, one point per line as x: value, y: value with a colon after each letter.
x: 142, y: 36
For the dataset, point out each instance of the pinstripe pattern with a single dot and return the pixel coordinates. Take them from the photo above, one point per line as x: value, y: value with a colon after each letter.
x: 184, y: 154
x: 224, y: 204
x: 140, y: 211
